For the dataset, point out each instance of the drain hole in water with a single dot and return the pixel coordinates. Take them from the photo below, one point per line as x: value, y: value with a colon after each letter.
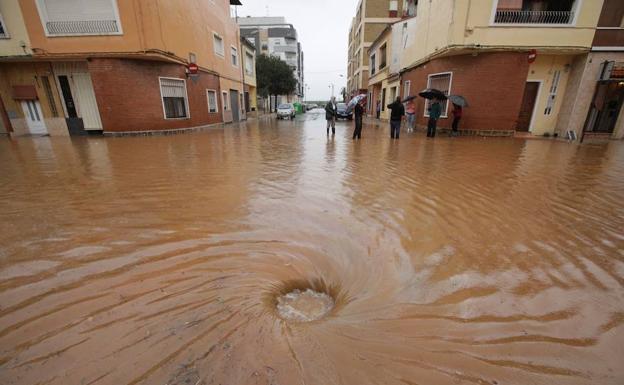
x: 304, y: 306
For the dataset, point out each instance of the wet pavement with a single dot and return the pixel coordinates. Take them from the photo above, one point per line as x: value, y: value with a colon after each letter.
x: 160, y: 260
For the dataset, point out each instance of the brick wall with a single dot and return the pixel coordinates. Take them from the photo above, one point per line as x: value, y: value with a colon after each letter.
x: 128, y: 95
x: 493, y: 83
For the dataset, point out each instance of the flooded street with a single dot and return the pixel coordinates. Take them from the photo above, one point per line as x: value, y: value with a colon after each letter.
x: 161, y: 260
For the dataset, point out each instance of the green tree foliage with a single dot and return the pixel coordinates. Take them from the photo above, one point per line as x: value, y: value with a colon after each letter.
x: 274, y: 77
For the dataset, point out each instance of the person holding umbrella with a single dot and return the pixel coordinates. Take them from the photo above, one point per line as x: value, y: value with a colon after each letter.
x: 358, y: 112
x: 435, y: 110
x: 396, y: 114
x: 459, y: 102
x: 331, y: 111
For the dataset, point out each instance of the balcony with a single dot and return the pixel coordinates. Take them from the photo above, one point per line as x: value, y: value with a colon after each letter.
x: 533, y: 17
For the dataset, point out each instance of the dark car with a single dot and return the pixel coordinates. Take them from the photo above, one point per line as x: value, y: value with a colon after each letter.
x: 344, y: 112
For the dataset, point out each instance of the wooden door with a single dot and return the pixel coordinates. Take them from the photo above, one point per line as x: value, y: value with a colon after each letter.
x: 528, y: 105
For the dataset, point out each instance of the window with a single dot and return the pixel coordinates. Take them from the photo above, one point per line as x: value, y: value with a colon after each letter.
x: 249, y: 63
x: 224, y: 99
x: 174, y: 97
x: 382, y: 56
x: 212, y: 101
x: 192, y: 57
x: 442, y: 82
x: 552, y: 94
x: 407, y: 85
x: 4, y: 34
x: 372, y: 63
x: 218, y: 44
x: 77, y: 17
x: 234, y: 54
x: 393, y: 94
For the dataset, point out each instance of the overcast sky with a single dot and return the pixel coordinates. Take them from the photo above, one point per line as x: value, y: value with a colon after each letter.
x: 323, y: 30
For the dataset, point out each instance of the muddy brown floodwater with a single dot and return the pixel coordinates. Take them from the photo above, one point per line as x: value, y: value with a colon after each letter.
x: 163, y: 260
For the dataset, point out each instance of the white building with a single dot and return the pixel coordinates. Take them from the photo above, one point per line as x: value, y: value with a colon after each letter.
x: 274, y: 36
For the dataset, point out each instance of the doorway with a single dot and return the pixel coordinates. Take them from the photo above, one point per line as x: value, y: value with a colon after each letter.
x: 34, y: 117
x: 606, y: 106
x: 527, y: 109
x: 234, y: 105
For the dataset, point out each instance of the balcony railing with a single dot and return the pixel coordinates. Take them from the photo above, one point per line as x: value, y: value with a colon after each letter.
x: 533, y: 17
x: 85, y: 27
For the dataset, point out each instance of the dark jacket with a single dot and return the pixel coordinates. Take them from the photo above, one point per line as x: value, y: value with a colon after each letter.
x: 359, y: 111
x: 435, y: 110
x: 397, y: 110
x: 331, y: 110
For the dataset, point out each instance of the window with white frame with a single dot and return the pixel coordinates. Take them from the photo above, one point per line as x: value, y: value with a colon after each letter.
x: 552, y: 94
x: 441, y: 82
x: 234, y: 54
x: 4, y: 33
x: 78, y: 17
x: 218, y: 44
x: 249, y: 63
x: 212, y: 101
x: 224, y: 99
x: 407, y: 85
x: 174, y: 98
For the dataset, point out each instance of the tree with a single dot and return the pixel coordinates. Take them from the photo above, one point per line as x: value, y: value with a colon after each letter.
x: 274, y: 77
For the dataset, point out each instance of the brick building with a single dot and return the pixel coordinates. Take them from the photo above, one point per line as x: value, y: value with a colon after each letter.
x: 113, y: 67
x: 527, y: 67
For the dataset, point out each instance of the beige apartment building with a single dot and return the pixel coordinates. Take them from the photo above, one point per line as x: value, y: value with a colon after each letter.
x: 371, y: 18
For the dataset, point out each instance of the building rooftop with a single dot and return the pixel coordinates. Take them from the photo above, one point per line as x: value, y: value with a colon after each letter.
x: 262, y: 21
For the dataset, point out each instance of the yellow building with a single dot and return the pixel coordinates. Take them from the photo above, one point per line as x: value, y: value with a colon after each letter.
x: 123, y: 66
x: 371, y: 18
x: 383, y: 83
x: 512, y: 59
x: 249, y: 67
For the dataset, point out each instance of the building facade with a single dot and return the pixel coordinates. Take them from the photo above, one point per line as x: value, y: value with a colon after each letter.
x: 371, y: 18
x: 111, y: 66
x: 519, y: 63
x: 274, y: 36
x: 249, y: 77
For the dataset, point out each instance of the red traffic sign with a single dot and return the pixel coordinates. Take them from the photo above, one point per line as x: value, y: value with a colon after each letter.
x: 193, y: 68
x: 532, y: 56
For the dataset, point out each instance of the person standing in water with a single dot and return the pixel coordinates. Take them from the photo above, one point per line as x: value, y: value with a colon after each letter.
x: 359, y: 113
x: 410, y: 112
x: 435, y: 110
x: 331, y: 111
x: 396, y: 114
x: 457, y: 115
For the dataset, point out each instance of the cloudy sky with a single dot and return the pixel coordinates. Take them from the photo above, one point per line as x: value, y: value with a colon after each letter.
x: 322, y: 27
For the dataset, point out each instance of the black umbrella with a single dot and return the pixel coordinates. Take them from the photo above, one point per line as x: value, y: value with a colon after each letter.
x: 432, y: 93
x: 407, y: 99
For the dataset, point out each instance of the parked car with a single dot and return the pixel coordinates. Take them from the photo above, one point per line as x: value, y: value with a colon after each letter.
x: 311, y: 106
x: 286, y: 110
x: 344, y: 112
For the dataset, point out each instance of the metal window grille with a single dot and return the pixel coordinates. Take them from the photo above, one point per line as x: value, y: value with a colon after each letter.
x: 533, y: 17
x: 442, y: 83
